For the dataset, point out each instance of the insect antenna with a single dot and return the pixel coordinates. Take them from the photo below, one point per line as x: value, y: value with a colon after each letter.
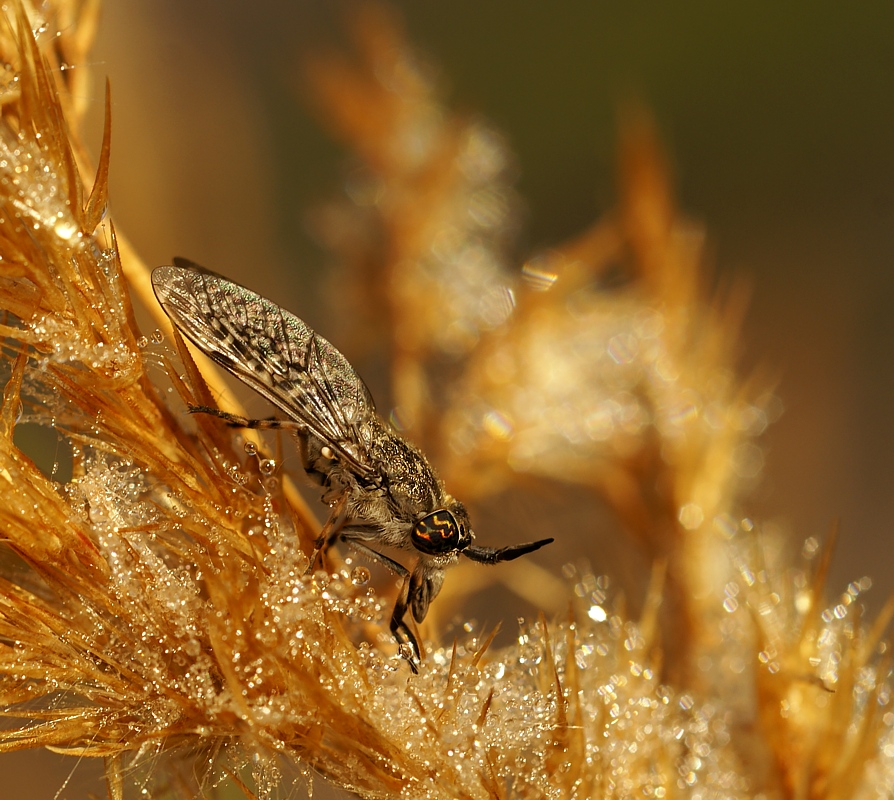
x: 491, y: 555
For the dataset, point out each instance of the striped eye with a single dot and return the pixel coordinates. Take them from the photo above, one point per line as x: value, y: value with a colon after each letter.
x: 437, y: 533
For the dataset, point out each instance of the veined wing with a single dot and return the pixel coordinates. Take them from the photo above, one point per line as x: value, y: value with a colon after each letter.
x: 272, y: 351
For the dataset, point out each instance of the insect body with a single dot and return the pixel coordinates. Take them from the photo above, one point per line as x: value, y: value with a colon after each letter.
x: 381, y: 490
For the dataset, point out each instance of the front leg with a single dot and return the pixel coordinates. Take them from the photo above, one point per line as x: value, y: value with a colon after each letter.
x: 407, y: 644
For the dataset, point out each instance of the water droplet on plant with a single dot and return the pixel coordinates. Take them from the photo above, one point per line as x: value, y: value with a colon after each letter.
x: 360, y: 576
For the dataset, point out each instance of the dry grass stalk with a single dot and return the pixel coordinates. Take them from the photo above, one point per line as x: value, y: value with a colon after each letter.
x: 155, y: 609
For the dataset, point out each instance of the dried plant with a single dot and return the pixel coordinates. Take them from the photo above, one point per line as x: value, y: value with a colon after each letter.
x: 156, y: 609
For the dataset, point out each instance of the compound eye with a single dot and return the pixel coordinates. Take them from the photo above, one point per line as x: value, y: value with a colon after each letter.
x: 465, y: 537
x: 437, y: 533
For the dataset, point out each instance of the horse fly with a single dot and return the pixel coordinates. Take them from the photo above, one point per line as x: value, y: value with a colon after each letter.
x: 381, y: 490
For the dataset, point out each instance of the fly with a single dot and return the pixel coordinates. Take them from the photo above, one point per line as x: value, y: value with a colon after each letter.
x: 381, y: 490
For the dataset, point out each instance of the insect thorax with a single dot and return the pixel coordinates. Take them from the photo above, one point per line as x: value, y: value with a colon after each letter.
x: 406, y: 475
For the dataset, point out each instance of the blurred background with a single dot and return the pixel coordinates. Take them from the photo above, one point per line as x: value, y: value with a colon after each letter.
x: 779, y: 124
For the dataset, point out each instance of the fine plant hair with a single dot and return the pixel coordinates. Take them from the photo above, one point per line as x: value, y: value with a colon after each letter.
x: 157, y: 610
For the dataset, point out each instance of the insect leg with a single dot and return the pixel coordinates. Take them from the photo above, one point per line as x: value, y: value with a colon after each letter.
x: 271, y: 423
x: 237, y: 421
x: 407, y: 644
x: 406, y: 641
x: 330, y: 529
x: 490, y: 555
x: 337, y: 515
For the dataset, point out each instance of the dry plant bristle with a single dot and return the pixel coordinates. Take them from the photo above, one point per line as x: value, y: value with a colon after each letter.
x: 156, y: 609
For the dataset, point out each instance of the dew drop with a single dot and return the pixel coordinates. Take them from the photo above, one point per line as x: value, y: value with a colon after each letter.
x: 250, y: 448
x: 65, y: 229
x: 360, y: 576
x: 267, y: 466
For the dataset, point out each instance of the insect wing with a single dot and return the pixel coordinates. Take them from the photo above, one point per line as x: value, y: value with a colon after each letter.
x: 272, y: 351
